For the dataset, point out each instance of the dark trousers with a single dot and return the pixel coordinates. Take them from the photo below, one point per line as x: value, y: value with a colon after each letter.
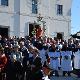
x: 26, y: 69
x: 13, y: 71
x: 2, y: 75
x: 77, y: 72
x: 68, y: 72
x: 37, y: 75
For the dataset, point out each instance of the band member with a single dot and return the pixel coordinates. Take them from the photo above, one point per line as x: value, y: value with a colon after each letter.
x: 77, y: 62
x: 36, y: 66
x: 25, y: 54
x: 66, y: 62
x: 3, y: 62
x: 54, y: 60
x: 42, y: 53
x: 16, y: 59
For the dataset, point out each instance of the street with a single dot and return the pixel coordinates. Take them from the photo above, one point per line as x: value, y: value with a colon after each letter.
x: 72, y: 77
x: 64, y: 78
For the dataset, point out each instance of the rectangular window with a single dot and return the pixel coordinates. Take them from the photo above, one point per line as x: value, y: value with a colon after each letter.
x: 59, y: 9
x: 34, y: 6
x: 4, y: 2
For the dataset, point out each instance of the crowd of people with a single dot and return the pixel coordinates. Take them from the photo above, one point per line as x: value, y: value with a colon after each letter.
x: 36, y: 58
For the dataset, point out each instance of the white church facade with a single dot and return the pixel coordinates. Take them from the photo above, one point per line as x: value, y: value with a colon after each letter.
x: 18, y: 17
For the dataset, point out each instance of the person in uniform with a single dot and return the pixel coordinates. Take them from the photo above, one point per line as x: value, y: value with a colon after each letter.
x: 25, y: 54
x: 42, y: 53
x: 66, y: 62
x: 16, y: 62
x: 36, y: 66
x: 77, y: 62
x: 54, y: 60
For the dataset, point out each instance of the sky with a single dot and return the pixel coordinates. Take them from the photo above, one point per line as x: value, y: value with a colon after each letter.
x: 75, y: 16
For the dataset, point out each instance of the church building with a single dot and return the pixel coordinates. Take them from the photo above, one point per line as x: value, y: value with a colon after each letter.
x: 20, y: 17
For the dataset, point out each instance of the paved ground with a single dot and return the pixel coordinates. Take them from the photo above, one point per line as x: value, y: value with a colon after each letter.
x: 73, y: 77
x: 64, y: 78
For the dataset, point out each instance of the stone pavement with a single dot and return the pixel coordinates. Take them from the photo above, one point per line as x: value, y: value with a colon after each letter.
x: 72, y: 77
x: 64, y: 78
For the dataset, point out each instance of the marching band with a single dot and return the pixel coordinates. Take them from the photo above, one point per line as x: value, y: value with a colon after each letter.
x: 37, y: 59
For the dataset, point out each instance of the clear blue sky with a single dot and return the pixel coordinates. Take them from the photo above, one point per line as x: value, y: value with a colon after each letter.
x: 75, y: 24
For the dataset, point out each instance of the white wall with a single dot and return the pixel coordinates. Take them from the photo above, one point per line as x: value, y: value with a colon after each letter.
x: 18, y: 15
x: 60, y: 23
